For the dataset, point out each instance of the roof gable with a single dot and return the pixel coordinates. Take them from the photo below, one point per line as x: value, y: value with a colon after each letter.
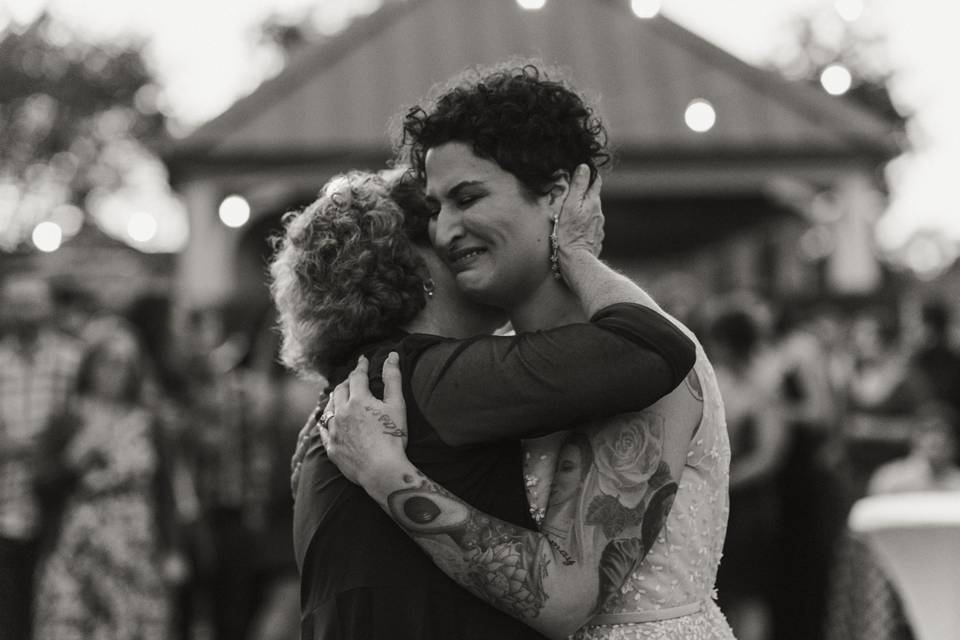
x: 341, y: 94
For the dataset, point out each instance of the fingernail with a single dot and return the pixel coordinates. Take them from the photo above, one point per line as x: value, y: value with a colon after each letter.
x: 393, y: 357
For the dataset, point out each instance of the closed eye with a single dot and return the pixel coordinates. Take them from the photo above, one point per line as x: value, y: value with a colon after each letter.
x: 465, y: 201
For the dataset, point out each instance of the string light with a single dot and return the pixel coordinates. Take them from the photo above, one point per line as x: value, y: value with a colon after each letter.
x: 836, y: 79
x: 700, y: 115
x: 47, y: 236
x: 142, y: 227
x: 849, y: 10
x: 234, y: 211
x: 645, y: 9
x: 531, y: 5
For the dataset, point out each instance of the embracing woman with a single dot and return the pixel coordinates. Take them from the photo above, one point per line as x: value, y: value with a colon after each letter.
x: 494, y: 153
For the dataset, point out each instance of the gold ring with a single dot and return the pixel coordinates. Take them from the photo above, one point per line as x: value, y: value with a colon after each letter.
x: 325, y: 419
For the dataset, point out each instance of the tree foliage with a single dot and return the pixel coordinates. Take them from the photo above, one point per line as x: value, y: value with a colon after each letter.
x: 73, y: 115
x: 820, y: 40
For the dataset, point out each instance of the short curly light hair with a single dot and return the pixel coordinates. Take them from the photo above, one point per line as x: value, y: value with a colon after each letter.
x: 345, y: 271
x: 522, y: 114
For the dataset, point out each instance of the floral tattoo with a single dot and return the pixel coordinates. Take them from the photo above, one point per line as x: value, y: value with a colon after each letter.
x: 635, y: 494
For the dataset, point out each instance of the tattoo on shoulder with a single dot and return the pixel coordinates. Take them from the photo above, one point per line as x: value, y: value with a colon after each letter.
x: 693, y: 385
x: 498, y: 562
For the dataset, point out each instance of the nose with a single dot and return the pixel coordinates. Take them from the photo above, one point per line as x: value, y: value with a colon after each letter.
x: 447, y: 229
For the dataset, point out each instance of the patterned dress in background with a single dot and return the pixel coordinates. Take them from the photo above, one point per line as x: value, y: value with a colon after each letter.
x: 102, y: 579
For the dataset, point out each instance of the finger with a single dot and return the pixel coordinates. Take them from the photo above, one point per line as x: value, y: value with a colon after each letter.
x: 295, y: 481
x: 325, y: 438
x: 581, y: 183
x: 359, y: 385
x: 594, y: 190
x: 392, y: 380
x: 340, y: 395
x: 308, y: 427
x: 330, y: 409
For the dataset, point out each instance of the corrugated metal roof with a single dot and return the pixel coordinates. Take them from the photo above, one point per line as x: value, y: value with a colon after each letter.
x: 340, y: 95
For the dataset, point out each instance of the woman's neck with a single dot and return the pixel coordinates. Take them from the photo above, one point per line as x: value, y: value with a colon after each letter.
x: 551, y: 305
x: 451, y: 320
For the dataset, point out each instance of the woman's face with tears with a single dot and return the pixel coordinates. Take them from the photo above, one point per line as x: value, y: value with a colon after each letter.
x: 491, y: 232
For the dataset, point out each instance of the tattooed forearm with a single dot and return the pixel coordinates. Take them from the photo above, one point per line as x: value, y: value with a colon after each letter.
x: 499, y: 562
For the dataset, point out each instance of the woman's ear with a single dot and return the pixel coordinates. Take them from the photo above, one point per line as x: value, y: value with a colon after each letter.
x: 559, y: 188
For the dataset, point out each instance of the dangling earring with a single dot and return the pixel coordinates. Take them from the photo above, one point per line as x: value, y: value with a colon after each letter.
x: 429, y: 286
x: 555, y: 248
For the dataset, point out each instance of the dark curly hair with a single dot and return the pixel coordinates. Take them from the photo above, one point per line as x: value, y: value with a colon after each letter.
x: 345, y: 270
x: 518, y: 114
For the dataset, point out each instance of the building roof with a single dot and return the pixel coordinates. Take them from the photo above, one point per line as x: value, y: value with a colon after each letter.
x: 337, y: 98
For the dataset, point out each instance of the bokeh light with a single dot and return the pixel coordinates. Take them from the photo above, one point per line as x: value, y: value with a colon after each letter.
x: 47, y: 236
x: 849, y: 10
x: 836, y: 79
x: 69, y: 218
x: 700, y: 115
x: 645, y: 8
x: 531, y: 5
x: 926, y: 256
x: 234, y: 211
x: 142, y: 227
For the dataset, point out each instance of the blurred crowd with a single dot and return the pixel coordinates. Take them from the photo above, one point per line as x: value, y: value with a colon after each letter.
x: 144, y: 471
x: 144, y: 462
x: 826, y: 404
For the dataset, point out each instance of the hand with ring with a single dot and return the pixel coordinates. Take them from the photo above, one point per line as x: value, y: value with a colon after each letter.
x: 367, y: 434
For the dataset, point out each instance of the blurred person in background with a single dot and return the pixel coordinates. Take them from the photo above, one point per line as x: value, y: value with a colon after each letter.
x: 279, y: 400
x: 809, y: 405
x: 863, y: 604
x: 38, y: 366
x: 112, y: 552
x: 936, y: 360
x: 74, y: 306
x: 150, y: 316
x: 931, y: 464
x: 879, y: 400
x: 749, y: 385
x: 231, y: 468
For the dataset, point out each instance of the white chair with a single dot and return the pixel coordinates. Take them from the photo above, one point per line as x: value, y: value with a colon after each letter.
x: 916, y: 537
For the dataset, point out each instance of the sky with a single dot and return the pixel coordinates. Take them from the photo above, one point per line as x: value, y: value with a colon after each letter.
x: 206, y: 55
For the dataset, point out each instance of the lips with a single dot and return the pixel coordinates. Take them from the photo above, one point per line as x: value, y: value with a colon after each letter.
x: 463, y: 256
